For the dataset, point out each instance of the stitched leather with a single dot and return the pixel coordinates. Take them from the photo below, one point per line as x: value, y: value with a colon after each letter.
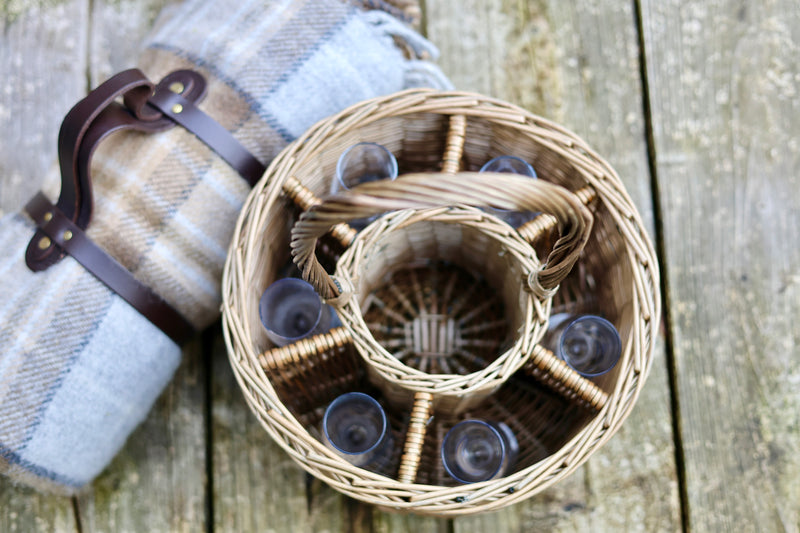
x: 184, y: 112
x: 71, y: 238
x: 85, y: 126
x: 144, y: 108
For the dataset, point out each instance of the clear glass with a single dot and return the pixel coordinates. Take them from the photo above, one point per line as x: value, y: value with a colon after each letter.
x: 474, y: 450
x: 589, y: 344
x: 511, y: 165
x: 361, y: 163
x: 364, y: 162
x: 356, y: 428
x: 290, y: 309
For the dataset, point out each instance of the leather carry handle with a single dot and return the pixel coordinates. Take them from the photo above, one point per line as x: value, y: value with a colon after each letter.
x: 85, y: 126
x: 416, y: 191
x: 144, y: 108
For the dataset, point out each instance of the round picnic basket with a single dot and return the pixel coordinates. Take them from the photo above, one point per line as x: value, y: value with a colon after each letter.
x: 442, y: 304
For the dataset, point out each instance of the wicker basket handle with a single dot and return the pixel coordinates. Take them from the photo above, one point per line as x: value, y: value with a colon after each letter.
x: 418, y: 191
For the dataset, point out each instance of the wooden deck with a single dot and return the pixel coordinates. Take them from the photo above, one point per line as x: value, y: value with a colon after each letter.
x: 697, y: 106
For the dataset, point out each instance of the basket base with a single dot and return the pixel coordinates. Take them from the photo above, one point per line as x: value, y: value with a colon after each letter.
x: 428, y: 318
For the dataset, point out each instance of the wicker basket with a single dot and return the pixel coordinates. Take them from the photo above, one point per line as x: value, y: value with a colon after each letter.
x: 442, y: 304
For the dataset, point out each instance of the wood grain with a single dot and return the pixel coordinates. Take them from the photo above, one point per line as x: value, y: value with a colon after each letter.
x: 23, y: 510
x: 43, y: 58
x: 577, y: 64
x: 723, y: 81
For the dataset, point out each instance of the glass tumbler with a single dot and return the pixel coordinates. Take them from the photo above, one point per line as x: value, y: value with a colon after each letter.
x: 361, y: 163
x: 364, y: 162
x: 589, y: 344
x: 290, y: 309
x: 511, y: 165
x: 474, y: 450
x: 356, y: 428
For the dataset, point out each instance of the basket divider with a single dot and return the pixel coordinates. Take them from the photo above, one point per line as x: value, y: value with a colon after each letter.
x: 292, y: 354
x: 415, y: 437
x: 305, y: 199
x: 454, y: 147
x: 552, y: 371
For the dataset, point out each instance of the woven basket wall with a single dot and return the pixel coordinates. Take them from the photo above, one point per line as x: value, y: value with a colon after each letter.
x: 405, y: 265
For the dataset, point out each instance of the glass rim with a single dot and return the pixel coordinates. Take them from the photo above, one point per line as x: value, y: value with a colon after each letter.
x: 369, y: 399
x: 532, y: 175
x: 528, y: 166
x: 340, y: 161
x: 473, y: 421
x: 302, y: 285
x: 617, y: 341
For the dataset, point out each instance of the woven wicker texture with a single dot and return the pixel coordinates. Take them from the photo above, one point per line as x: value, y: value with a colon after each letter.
x: 410, y: 263
x: 468, y: 238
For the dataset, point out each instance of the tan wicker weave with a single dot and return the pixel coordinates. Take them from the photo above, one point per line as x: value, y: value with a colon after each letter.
x: 559, y: 418
x: 464, y: 237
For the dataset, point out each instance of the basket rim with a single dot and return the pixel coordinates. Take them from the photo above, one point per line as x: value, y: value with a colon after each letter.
x: 444, y: 385
x: 433, y: 499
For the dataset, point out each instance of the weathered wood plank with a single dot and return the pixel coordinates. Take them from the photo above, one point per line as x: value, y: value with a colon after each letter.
x: 43, y: 50
x: 724, y: 84
x: 42, y: 72
x: 23, y: 510
x: 401, y: 523
x: 576, y: 63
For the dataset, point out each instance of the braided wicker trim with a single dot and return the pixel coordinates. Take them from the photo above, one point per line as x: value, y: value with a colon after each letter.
x: 452, y: 392
x: 639, y: 278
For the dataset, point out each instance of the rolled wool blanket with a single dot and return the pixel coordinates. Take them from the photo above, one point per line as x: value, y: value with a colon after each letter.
x: 79, y: 367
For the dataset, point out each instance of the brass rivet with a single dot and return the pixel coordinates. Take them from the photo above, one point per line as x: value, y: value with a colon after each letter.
x: 177, y: 108
x: 48, y: 216
x: 44, y: 243
x: 177, y: 87
x: 67, y: 235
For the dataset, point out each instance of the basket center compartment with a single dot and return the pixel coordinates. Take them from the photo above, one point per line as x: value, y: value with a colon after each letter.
x: 438, y: 318
x: 441, y: 299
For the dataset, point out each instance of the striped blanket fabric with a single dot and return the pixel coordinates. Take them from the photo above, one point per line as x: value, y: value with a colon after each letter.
x: 79, y: 368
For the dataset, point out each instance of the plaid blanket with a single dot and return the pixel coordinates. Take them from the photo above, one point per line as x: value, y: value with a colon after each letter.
x: 79, y: 368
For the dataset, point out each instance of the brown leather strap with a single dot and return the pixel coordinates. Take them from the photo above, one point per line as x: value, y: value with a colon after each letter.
x: 86, y: 125
x: 208, y: 130
x: 95, y: 117
x: 59, y: 229
x: 75, y: 199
